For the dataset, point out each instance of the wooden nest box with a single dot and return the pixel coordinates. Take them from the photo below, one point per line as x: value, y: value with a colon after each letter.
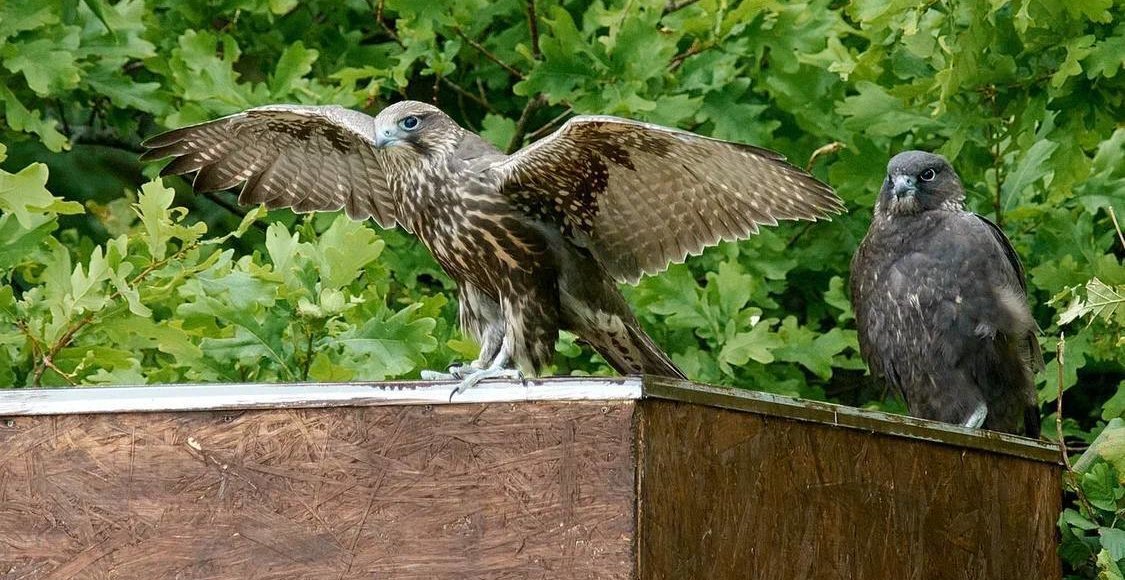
x: 562, y: 478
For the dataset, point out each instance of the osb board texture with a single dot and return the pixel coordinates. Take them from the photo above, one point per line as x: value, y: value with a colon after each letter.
x: 534, y: 490
x: 728, y: 495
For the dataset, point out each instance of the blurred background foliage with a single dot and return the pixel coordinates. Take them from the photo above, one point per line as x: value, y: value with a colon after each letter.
x: 112, y: 278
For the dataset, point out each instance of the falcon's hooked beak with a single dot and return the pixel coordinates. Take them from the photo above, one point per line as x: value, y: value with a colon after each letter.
x: 385, y: 138
x: 905, y: 185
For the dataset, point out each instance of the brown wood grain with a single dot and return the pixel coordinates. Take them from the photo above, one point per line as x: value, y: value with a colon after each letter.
x: 727, y: 494
x: 529, y: 490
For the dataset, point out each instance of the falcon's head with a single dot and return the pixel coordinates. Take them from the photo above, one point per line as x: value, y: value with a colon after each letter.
x: 411, y: 132
x: 918, y: 181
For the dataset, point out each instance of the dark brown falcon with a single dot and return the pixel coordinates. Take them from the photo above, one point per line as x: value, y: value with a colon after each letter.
x: 537, y: 240
x: 941, y: 304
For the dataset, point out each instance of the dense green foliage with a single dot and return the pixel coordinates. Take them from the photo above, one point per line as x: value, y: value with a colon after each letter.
x: 114, y: 281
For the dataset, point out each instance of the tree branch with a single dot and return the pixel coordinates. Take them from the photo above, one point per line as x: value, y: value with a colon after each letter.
x: 383, y: 24
x: 219, y: 201
x: 47, y: 359
x: 307, y: 363
x: 695, y: 48
x: 997, y: 157
x: 521, y: 124
x: 821, y: 151
x: 461, y: 91
x: 1116, y: 226
x: 1060, y: 360
x: 998, y: 167
x: 674, y: 5
x: 533, y: 29
x: 62, y: 117
x: 487, y: 54
x: 550, y: 126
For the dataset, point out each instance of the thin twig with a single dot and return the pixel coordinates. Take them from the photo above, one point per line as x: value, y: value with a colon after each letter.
x: 386, y: 27
x: 488, y: 54
x: 521, y: 124
x: 821, y: 151
x: 997, y: 160
x: 673, y: 5
x: 1116, y: 226
x: 550, y: 126
x: 533, y: 29
x: 695, y: 48
x: 308, y: 354
x: 461, y: 91
x: 1060, y: 360
x: 225, y: 204
x: 86, y: 136
x: 62, y: 117
x: 47, y: 360
x: 997, y: 202
x: 483, y: 94
x: 68, y: 377
x: 804, y: 228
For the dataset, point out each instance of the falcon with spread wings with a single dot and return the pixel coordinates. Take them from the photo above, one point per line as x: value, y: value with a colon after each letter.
x: 536, y: 240
x: 941, y: 303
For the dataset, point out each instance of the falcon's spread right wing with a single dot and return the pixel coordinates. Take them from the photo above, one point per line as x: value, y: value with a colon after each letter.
x: 640, y: 196
x: 304, y: 157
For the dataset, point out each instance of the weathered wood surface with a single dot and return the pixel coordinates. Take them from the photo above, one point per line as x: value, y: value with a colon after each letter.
x: 529, y: 490
x: 734, y: 495
x: 851, y: 418
x: 210, y: 397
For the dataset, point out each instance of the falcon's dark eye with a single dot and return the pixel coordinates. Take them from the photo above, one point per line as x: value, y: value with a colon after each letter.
x: 408, y: 123
x: 928, y: 175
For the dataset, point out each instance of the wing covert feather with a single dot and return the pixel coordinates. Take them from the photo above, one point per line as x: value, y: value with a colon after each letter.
x: 641, y: 196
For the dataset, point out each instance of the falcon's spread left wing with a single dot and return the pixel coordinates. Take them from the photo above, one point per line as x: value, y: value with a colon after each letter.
x: 640, y: 196
x: 304, y: 157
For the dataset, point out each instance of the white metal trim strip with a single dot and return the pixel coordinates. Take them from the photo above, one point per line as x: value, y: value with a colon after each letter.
x: 211, y: 397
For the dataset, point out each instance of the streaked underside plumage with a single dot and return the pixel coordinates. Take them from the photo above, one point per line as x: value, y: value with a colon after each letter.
x: 536, y: 239
x: 941, y: 303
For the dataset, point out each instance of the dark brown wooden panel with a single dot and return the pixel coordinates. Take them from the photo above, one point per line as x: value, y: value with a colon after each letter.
x: 728, y: 494
x: 534, y: 490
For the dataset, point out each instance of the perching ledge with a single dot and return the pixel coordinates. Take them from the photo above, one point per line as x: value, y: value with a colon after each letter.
x: 578, y: 477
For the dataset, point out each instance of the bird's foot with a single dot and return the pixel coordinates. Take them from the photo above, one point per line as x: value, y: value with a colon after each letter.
x: 493, y: 372
x: 455, y: 372
x: 977, y: 418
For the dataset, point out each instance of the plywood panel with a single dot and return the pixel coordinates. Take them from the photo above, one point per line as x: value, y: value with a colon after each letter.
x: 534, y: 490
x: 726, y: 494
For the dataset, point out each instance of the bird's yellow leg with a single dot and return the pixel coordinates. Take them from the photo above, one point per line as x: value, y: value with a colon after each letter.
x: 489, y: 351
x: 977, y: 418
x: 501, y: 368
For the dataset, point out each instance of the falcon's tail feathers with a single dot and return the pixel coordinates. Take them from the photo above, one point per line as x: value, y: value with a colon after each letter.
x: 626, y: 347
x: 1031, y: 421
x: 653, y: 360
